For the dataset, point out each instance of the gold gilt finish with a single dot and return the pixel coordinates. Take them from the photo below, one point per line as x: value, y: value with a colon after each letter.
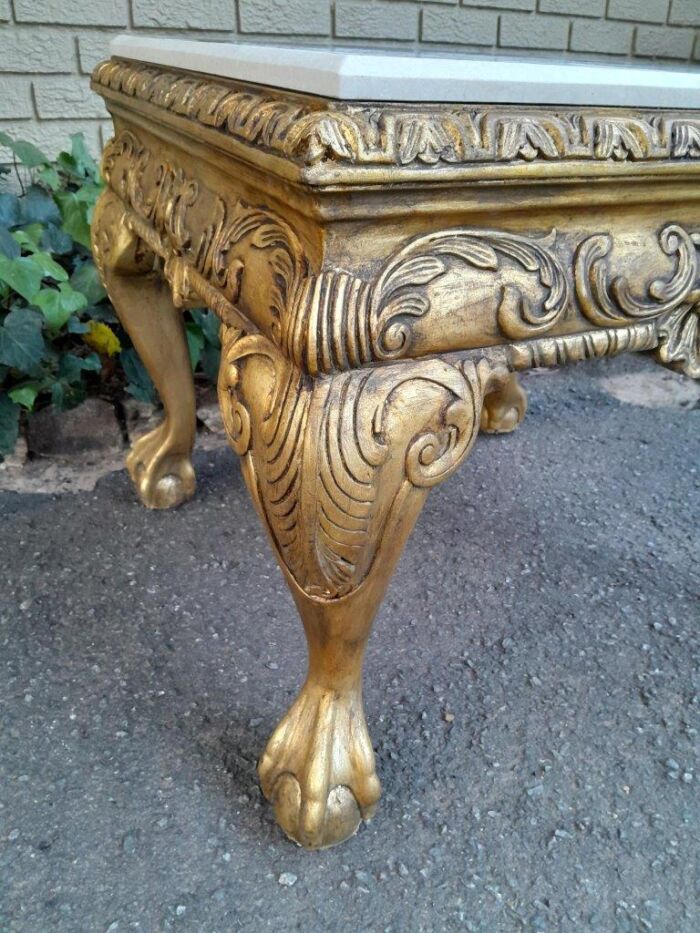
x: 381, y: 273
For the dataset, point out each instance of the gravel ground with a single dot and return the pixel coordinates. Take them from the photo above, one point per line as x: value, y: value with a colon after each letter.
x: 531, y: 689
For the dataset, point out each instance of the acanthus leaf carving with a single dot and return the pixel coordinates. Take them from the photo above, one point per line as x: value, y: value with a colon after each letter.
x: 423, y: 140
x: 672, y: 303
x: 686, y: 140
x: 425, y: 258
x: 329, y: 461
x: 313, y: 131
x: 526, y: 139
x: 679, y: 337
x: 317, y: 138
x: 621, y: 139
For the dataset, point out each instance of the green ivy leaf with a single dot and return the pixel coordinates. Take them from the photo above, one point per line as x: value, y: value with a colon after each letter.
x: 71, y: 367
x: 86, y: 279
x: 9, y: 246
x: 9, y: 425
x: 49, y: 268
x: 139, y: 383
x: 58, y: 304
x: 57, y: 395
x: 75, y: 326
x: 102, y: 312
x: 38, y: 206
x: 209, y: 323
x: 65, y: 396
x: 10, y: 212
x: 26, y: 152
x: 195, y: 343
x: 75, y: 217
x: 49, y: 177
x: 21, y: 341
x: 211, y: 357
x: 140, y: 393
x: 92, y: 363
x: 89, y: 193
x: 29, y: 236
x: 23, y: 275
x: 55, y: 240
x: 25, y: 394
x: 84, y: 162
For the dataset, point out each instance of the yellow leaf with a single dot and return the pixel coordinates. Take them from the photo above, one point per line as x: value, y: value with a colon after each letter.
x: 102, y: 338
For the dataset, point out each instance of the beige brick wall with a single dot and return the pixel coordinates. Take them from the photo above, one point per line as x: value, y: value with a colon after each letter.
x: 49, y: 47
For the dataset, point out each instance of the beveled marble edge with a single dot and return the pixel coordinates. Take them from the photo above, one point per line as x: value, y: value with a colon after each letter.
x: 363, y: 75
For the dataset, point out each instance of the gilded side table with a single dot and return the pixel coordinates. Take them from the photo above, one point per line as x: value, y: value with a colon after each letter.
x: 381, y: 271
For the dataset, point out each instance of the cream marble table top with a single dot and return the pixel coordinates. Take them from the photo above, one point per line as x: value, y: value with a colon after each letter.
x: 356, y: 74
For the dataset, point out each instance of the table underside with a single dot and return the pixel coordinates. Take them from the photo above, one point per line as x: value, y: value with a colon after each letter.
x: 381, y: 272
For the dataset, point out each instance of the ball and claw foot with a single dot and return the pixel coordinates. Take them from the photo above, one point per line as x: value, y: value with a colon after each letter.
x: 505, y: 408
x: 318, y: 768
x: 162, y: 474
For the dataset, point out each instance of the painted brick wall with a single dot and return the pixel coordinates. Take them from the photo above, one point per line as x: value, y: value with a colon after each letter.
x: 49, y: 47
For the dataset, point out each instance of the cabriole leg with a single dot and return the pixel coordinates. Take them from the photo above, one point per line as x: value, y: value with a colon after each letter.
x: 339, y: 468
x: 159, y: 462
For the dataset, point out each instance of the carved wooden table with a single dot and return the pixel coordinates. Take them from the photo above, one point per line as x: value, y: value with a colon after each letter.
x: 382, y: 272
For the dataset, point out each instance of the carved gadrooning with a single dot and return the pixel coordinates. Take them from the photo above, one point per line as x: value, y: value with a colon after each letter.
x: 574, y: 348
x: 335, y: 320
x: 311, y: 130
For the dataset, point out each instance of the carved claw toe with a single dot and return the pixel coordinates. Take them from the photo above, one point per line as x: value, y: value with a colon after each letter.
x: 318, y: 769
x: 505, y: 408
x: 161, y: 473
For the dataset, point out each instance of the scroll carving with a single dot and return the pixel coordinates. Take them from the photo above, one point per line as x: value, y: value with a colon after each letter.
x: 674, y: 302
x: 341, y: 321
x: 114, y: 244
x: 204, y: 255
x: 330, y: 461
x: 605, y: 300
x: 312, y: 131
x: 426, y: 258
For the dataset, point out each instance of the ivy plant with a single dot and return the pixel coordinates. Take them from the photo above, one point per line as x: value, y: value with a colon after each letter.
x: 59, y: 336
